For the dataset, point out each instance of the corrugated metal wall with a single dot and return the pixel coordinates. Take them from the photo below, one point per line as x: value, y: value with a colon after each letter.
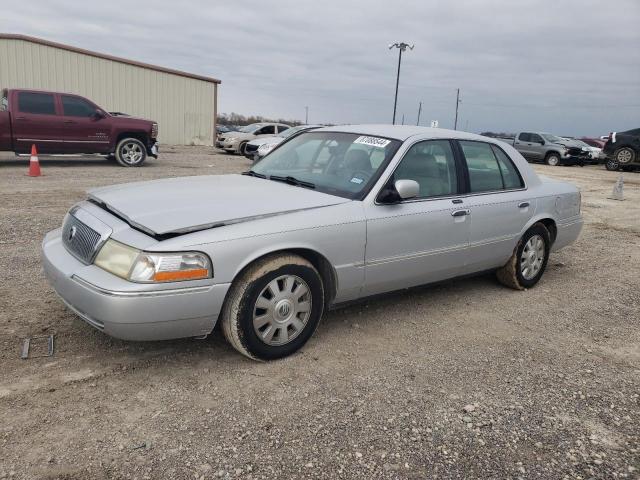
x: 183, y: 107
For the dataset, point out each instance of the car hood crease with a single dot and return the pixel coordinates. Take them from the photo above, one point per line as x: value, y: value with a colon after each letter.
x: 188, y: 204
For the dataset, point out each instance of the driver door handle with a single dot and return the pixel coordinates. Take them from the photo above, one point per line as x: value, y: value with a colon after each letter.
x: 461, y: 213
x: 523, y: 205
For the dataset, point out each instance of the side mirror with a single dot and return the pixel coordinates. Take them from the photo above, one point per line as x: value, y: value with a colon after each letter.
x: 407, y: 189
x: 98, y: 114
x: 541, y: 142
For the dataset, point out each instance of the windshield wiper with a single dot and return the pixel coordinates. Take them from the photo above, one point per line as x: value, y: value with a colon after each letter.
x: 292, y: 181
x: 251, y: 173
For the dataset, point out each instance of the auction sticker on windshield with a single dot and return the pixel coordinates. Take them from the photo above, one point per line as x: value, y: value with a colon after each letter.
x: 373, y: 141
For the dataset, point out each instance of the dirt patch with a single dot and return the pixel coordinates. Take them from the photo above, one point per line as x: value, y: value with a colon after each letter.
x: 552, y: 373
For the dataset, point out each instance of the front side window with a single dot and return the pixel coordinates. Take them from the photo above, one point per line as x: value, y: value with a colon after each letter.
x: 486, y: 172
x: 342, y: 164
x: 268, y: 130
x: 38, y: 103
x: 535, y: 138
x: 432, y: 165
x: 282, y: 128
x: 77, y: 107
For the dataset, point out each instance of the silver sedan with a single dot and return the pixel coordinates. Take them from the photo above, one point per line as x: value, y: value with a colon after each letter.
x: 330, y: 216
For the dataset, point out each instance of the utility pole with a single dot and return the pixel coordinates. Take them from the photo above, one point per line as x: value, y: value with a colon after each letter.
x: 306, y: 115
x: 401, y: 47
x: 419, y: 112
x: 455, y: 125
x: 402, y: 119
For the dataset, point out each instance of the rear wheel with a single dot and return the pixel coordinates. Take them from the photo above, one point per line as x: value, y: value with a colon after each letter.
x: 624, y: 155
x: 529, y: 260
x: 131, y: 152
x: 552, y: 159
x: 274, y: 307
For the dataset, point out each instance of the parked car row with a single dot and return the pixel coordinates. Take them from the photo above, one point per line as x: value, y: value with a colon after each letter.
x: 551, y: 149
x: 258, y: 148
x: 63, y: 123
x: 235, y: 142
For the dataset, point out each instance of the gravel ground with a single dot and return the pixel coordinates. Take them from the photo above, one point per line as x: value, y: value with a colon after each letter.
x: 462, y: 380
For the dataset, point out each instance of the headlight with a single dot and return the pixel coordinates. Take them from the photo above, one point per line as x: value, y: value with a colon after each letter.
x: 149, y: 267
x: 266, y: 148
x: 231, y: 139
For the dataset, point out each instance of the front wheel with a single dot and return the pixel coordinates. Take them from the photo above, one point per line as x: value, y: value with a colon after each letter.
x: 529, y: 260
x: 274, y: 307
x: 553, y: 159
x: 612, y: 165
x: 131, y: 152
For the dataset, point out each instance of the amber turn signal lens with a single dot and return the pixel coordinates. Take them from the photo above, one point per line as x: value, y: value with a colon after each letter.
x: 195, y: 274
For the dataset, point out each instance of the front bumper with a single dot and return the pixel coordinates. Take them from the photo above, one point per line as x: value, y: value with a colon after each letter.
x: 163, y: 312
x: 228, y: 144
x: 152, y: 149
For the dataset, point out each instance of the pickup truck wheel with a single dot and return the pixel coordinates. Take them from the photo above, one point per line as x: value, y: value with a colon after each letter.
x: 552, y: 159
x: 612, y: 165
x: 624, y: 155
x: 274, y: 307
x: 529, y: 260
x: 131, y: 152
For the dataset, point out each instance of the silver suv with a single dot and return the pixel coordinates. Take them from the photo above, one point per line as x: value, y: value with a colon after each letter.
x: 235, y: 142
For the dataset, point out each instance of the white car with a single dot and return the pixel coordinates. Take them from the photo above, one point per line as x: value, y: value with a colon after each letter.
x: 258, y: 148
x: 330, y: 216
x: 235, y: 142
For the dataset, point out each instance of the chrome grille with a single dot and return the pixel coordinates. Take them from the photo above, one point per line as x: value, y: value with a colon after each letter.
x: 79, y: 239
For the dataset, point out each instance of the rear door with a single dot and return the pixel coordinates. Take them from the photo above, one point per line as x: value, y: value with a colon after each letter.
x: 499, y: 203
x: 36, y: 121
x: 523, y: 144
x: 86, y: 130
x: 538, y: 150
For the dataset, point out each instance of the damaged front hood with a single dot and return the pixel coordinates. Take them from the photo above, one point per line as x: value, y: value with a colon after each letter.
x: 188, y: 204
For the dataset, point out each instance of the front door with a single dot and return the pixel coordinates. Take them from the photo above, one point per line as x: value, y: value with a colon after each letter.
x: 424, y: 239
x: 86, y: 131
x: 538, y: 150
x: 36, y: 122
x: 499, y: 204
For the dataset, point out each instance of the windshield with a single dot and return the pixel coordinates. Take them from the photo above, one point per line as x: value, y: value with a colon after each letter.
x: 250, y: 128
x: 551, y: 138
x: 343, y: 164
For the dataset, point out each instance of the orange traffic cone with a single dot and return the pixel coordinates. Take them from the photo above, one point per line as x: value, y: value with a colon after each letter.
x: 34, y: 163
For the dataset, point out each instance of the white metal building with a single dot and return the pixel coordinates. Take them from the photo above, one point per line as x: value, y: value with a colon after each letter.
x: 183, y: 104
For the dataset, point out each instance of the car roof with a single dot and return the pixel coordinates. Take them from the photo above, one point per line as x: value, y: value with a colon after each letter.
x: 403, y: 132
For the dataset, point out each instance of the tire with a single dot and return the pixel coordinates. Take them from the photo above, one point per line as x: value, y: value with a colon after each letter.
x: 241, y: 148
x: 624, y: 155
x: 518, y: 273
x: 611, y: 165
x: 552, y: 159
x: 272, y: 332
x: 131, y: 152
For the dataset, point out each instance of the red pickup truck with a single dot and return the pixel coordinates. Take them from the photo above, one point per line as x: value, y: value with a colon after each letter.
x: 63, y: 123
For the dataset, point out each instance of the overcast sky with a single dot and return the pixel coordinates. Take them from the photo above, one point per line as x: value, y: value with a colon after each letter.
x: 570, y: 67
